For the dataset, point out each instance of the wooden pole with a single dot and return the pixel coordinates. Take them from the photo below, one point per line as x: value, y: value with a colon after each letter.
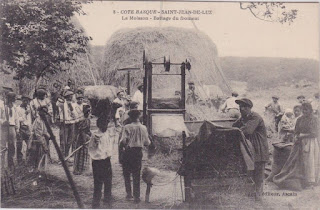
x: 65, y: 167
x: 186, y: 178
x: 149, y: 71
x: 183, y: 86
x: 148, y: 192
x: 128, y: 84
x: 144, y: 99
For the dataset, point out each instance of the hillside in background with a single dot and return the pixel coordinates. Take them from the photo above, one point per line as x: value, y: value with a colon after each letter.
x: 262, y: 72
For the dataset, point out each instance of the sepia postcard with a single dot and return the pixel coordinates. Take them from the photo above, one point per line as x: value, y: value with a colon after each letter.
x: 159, y: 104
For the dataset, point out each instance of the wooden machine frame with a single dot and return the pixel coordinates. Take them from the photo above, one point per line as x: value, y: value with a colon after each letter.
x: 148, y: 110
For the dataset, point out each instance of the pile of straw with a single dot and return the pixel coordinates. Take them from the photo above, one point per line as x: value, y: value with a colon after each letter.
x: 125, y: 49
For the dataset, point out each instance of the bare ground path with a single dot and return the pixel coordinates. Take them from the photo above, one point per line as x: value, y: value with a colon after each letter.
x: 166, y: 193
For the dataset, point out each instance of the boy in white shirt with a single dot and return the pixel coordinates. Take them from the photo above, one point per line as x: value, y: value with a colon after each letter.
x: 100, y: 151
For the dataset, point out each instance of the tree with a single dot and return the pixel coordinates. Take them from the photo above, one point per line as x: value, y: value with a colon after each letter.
x: 38, y: 37
x: 270, y: 11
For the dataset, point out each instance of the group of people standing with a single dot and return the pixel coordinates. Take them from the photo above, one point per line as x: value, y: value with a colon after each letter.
x: 24, y: 122
x: 132, y: 138
x: 300, y: 128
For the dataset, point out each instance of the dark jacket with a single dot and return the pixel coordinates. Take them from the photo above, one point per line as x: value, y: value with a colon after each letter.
x: 254, y: 129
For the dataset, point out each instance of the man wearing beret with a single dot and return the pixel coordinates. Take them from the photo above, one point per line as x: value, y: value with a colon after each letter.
x: 301, y: 99
x: 40, y: 100
x: 252, y: 126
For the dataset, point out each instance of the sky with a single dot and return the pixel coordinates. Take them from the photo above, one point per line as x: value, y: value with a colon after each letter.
x: 236, y: 32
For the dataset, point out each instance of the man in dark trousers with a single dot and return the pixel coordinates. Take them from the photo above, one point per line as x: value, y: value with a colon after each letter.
x: 134, y: 136
x: 253, y: 127
x: 24, y: 133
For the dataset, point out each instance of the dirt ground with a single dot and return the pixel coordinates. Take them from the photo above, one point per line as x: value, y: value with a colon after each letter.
x: 54, y: 191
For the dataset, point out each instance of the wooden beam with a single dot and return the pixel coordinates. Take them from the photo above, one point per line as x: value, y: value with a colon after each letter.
x: 65, y: 167
x: 183, y: 85
x: 128, y: 69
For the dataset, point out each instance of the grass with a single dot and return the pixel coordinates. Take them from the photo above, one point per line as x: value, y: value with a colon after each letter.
x: 37, y: 190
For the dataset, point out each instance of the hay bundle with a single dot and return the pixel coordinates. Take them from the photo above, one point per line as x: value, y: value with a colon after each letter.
x: 101, y: 92
x: 125, y: 49
x: 101, y: 97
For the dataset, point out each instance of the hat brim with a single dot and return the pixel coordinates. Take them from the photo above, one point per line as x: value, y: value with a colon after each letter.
x: 243, y: 102
x: 26, y: 97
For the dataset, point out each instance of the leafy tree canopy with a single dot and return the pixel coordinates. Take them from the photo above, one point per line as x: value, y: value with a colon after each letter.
x: 38, y: 37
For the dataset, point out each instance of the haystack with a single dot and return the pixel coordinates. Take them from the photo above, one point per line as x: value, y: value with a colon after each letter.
x: 125, y: 49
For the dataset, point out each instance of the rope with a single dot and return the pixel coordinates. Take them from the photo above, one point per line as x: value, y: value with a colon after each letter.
x: 181, y: 189
x: 4, y: 149
x: 74, y: 151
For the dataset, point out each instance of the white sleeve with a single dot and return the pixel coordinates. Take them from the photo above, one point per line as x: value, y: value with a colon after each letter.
x: 135, y: 97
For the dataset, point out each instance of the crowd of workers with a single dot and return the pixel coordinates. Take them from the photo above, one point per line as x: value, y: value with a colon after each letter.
x: 25, y: 137
x: 27, y: 123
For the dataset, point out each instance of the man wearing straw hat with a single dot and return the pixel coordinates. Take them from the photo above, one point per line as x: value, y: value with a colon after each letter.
x: 134, y: 136
x: 24, y: 114
x: 67, y: 121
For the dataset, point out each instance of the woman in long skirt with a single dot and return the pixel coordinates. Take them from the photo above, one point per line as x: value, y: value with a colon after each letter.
x: 39, y: 145
x: 302, y: 169
x: 81, y: 158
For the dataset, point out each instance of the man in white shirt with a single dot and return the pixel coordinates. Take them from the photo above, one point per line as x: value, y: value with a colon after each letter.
x: 121, y: 100
x: 134, y: 136
x: 24, y: 115
x: 231, y: 107
x: 138, y: 97
x: 9, y: 128
x: 4, y: 91
x: 67, y: 122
